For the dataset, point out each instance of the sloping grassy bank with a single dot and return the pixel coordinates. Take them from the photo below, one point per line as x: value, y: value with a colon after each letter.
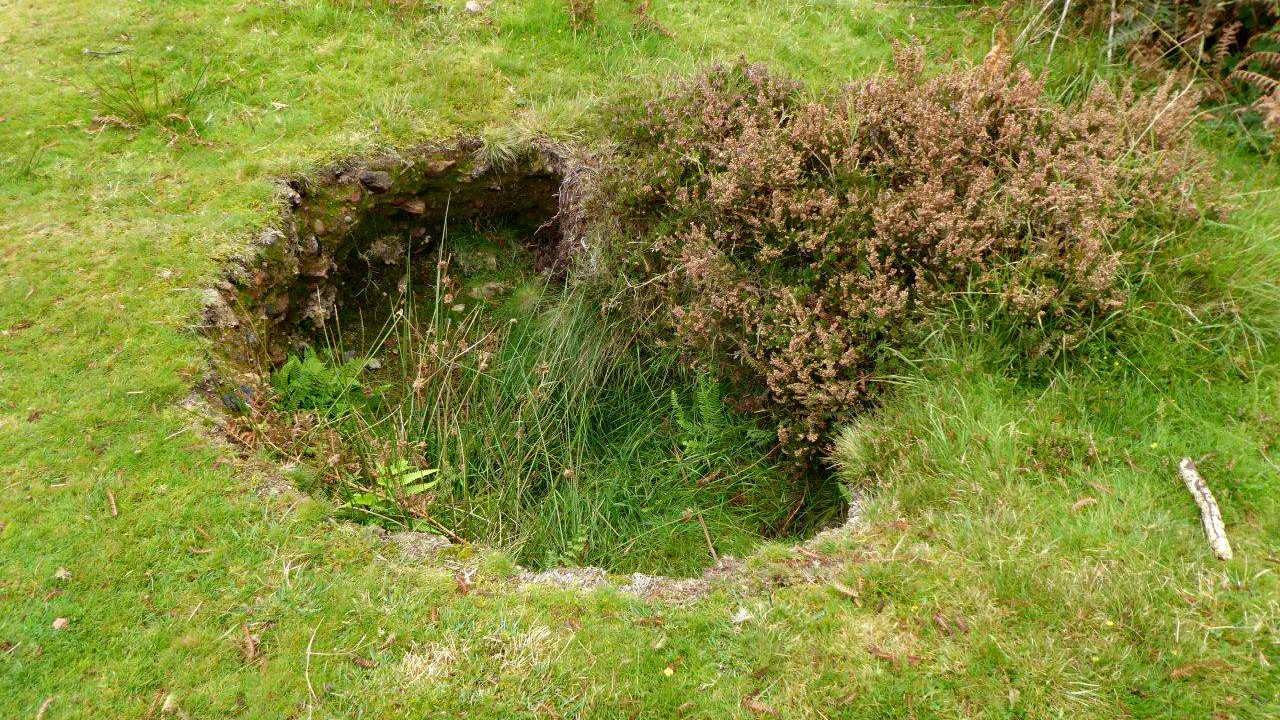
x: 984, y: 585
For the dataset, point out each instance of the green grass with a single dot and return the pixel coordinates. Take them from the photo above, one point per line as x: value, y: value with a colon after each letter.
x: 106, y: 236
x: 549, y: 432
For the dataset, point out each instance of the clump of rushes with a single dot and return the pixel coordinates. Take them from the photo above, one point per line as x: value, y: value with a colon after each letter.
x: 134, y: 96
x: 797, y: 247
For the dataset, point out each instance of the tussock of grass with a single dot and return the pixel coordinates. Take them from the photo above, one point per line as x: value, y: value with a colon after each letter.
x: 134, y: 97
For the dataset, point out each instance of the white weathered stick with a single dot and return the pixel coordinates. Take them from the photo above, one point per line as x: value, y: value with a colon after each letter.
x: 1210, y: 515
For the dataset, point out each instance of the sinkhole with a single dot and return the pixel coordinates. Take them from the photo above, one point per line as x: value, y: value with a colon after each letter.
x: 413, y: 332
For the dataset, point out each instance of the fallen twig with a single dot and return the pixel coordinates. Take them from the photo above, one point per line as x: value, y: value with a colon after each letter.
x: 447, y: 532
x: 1210, y: 515
x: 715, y: 558
x: 111, y: 497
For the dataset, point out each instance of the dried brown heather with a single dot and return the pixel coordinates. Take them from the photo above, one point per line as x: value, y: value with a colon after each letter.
x: 797, y: 244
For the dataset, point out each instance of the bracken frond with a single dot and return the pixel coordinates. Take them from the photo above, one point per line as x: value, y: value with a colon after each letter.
x: 1208, y: 34
x: 1226, y: 42
x: 1257, y: 80
x: 1269, y: 106
x: 1271, y: 36
x: 1264, y: 59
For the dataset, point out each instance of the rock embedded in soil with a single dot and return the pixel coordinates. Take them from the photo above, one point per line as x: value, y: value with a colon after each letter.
x: 418, y: 545
x: 581, y: 578
x: 376, y: 180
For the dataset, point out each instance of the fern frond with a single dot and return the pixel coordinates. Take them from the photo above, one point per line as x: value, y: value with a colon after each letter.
x: 1264, y: 59
x: 1126, y: 33
x: 1271, y: 36
x: 759, y: 436
x: 1226, y: 41
x: 310, y: 382
x: 1257, y: 80
x: 1269, y: 106
x: 711, y: 404
x: 683, y: 421
x: 1261, y: 39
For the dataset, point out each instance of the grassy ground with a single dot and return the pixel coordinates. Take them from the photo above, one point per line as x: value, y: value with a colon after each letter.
x: 986, y: 584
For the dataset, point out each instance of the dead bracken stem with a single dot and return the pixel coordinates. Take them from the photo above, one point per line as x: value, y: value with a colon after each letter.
x: 715, y: 558
x: 1210, y: 515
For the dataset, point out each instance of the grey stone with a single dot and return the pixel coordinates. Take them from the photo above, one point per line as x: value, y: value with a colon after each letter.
x: 376, y: 180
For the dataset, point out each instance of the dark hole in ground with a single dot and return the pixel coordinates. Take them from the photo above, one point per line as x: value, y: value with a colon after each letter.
x: 434, y: 369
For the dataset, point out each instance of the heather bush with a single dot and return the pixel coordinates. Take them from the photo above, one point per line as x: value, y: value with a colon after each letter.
x: 797, y: 246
